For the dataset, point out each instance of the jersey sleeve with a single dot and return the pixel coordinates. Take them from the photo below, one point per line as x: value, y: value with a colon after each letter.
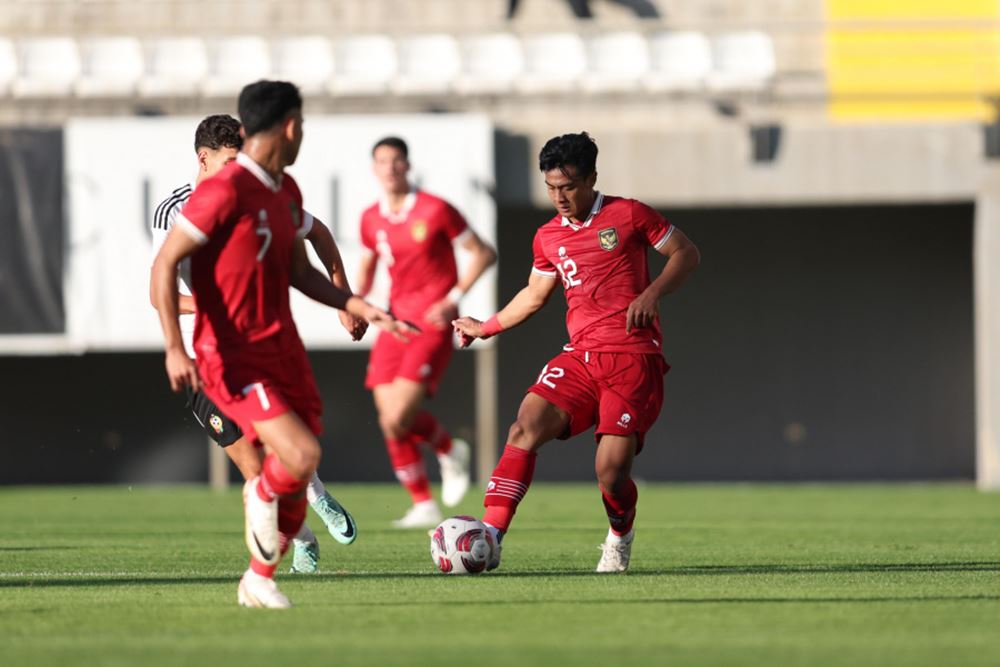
x: 159, y: 237
x: 367, y: 237
x: 308, y: 220
x: 455, y: 225
x: 209, y: 208
x: 541, y: 264
x: 651, y: 224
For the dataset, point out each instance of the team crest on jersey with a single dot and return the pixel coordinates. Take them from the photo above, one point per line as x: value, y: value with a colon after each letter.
x: 215, y: 421
x: 293, y: 209
x: 608, y: 238
x: 419, y: 231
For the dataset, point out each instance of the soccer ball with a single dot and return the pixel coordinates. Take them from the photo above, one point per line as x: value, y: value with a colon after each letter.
x: 461, y: 545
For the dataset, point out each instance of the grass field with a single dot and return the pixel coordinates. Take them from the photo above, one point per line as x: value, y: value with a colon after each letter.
x: 721, y: 575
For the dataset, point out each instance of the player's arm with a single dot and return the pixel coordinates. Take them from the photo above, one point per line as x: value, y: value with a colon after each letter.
x: 682, y: 259
x: 366, y: 272
x: 483, y: 256
x: 163, y: 292
x: 185, y: 303
x: 525, y: 303
x: 312, y: 283
x: 329, y: 254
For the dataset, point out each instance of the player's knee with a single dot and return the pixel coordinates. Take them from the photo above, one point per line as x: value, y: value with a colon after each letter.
x: 525, y: 433
x: 304, y: 459
x: 612, y: 479
x: 392, y: 425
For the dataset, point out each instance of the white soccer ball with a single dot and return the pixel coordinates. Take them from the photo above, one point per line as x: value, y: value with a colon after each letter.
x: 461, y: 545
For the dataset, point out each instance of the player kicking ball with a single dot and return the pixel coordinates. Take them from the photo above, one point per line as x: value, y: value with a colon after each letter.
x: 610, y: 375
x: 243, y: 230
x: 217, y: 142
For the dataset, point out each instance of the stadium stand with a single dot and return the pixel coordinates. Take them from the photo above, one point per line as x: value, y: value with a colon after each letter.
x: 490, y: 64
x: 741, y: 62
x: 112, y: 67
x: 307, y: 61
x: 427, y: 64
x: 174, y: 66
x: 363, y: 65
x: 615, y: 62
x: 544, y: 73
x: 234, y: 61
x: 679, y: 61
x: 49, y: 67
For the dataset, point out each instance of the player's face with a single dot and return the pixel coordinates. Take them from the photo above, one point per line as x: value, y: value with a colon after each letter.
x: 212, y: 160
x: 391, y: 168
x: 571, y: 195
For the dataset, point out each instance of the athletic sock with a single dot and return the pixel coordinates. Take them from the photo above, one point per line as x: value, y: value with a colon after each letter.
x: 315, y: 489
x: 620, y: 507
x: 276, y: 481
x: 409, y: 468
x: 426, y: 428
x: 507, y: 486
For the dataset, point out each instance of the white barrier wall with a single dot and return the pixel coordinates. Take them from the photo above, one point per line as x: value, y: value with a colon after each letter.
x: 118, y: 170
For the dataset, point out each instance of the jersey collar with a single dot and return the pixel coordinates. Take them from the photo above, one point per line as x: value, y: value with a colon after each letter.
x: 403, y: 213
x: 594, y: 210
x: 248, y: 163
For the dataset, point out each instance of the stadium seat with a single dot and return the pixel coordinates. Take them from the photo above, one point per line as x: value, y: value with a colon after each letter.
x: 428, y: 64
x: 306, y: 61
x: 490, y: 63
x: 554, y: 63
x: 615, y: 62
x: 112, y: 67
x: 8, y: 65
x: 680, y: 61
x: 234, y: 62
x: 363, y: 65
x: 743, y: 62
x: 174, y: 66
x: 49, y: 67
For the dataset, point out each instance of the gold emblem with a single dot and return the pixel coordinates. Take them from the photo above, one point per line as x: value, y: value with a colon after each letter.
x: 294, y: 211
x: 215, y: 421
x: 608, y: 238
x: 419, y: 231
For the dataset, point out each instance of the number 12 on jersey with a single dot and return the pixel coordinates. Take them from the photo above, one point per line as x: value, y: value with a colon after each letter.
x: 547, y: 376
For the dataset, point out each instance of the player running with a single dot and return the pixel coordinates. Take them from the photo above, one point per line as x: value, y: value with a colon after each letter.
x: 217, y: 141
x: 415, y: 235
x: 610, y: 375
x: 244, y: 230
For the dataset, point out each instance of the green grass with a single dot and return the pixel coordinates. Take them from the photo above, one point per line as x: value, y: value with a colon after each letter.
x: 721, y: 575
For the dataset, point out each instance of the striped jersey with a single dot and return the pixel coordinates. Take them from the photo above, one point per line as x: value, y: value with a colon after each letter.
x: 163, y: 221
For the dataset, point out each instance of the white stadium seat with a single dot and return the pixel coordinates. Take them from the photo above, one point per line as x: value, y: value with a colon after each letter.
x: 743, y: 62
x: 680, y: 61
x: 363, y: 65
x: 428, y: 64
x: 615, y: 62
x: 175, y: 66
x: 8, y: 64
x: 554, y: 63
x: 490, y: 63
x: 233, y: 62
x: 306, y: 61
x: 49, y: 67
x: 112, y: 67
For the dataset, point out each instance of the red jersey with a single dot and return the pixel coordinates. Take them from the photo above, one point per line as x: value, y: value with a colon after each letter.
x: 247, y: 224
x: 603, y: 267
x: 416, y: 246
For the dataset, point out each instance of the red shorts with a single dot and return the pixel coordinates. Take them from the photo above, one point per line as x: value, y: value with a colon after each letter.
x: 423, y: 359
x: 620, y: 393
x: 246, y: 389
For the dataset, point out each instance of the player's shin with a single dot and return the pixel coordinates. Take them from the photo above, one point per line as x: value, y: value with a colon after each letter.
x: 620, y: 503
x: 507, y: 486
x: 409, y: 468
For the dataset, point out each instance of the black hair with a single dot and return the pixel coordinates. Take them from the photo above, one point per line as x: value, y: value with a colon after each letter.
x: 577, y: 150
x: 218, y: 131
x: 394, y: 142
x: 264, y: 104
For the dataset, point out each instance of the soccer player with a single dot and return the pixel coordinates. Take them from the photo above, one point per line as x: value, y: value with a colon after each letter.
x: 610, y: 375
x: 217, y: 141
x: 244, y: 230
x: 415, y: 234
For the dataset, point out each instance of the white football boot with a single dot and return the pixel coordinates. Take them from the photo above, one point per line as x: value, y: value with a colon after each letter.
x: 260, y: 592
x: 454, y: 472
x: 262, y: 537
x: 422, y: 515
x: 616, y: 552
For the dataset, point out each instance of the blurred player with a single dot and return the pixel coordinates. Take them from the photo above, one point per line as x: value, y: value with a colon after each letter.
x: 217, y: 141
x: 610, y: 375
x: 415, y: 234
x: 244, y: 230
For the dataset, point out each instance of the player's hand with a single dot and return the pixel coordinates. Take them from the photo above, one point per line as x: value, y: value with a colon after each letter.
x: 181, y: 370
x: 355, y: 326
x: 468, y: 330
x: 641, y: 312
x: 441, y: 313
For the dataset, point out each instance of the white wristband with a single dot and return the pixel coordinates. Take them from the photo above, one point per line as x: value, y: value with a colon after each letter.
x: 455, y: 295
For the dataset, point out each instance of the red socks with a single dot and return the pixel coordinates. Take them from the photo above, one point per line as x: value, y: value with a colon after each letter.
x: 508, y: 484
x: 620, y: 506
x: 277, y: 482
x: 425, y: 428
x: 409, y: 467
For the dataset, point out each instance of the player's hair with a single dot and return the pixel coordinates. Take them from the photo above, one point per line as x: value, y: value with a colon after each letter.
x: 577, y: 150
x: 218, y: 131
x: 394, y: 142
x: 264, y: 104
